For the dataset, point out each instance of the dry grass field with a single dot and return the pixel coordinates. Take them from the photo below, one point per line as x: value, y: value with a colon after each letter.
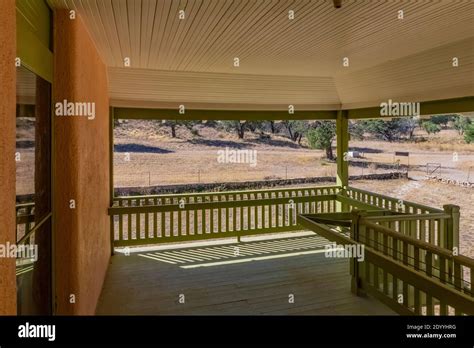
x: 145, y: 154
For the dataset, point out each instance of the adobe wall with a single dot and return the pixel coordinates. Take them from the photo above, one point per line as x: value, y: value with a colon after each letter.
x: 81, y: 169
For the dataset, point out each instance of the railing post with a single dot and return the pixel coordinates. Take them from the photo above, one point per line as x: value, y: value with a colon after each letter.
x: 355, y: 266
x: 452, y: 233
x: 452, y: 226
x: 342, y: 140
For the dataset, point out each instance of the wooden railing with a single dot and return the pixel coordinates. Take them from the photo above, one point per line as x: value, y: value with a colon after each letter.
x: 358, y: 198
x: 411, y: 275
x: 178, y: 217
x: 181, y: 217
x: 411, y: 263
x: 25, y: 219
x: 432, y: 225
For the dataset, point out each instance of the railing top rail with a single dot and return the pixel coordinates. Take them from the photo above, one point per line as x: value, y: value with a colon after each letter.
x: 409, y: 217
x: 25, y: 205
x: 34, y: 229
x: 214, y: 204
x: 393, y: 199
x: 461, y: 259
x: 197, y: 194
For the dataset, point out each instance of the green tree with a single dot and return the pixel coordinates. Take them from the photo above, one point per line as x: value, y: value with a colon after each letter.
x: 441, y: 120
x: 274, y: 127
x: 390, y: 130
x: 174, y: 124
x: 430, y: 127
x: 240, y: 127
x: 322, y: 136
x: 296, y: 129
x: 357, y: 130
x: 461, y: 123
x: 469, y: 134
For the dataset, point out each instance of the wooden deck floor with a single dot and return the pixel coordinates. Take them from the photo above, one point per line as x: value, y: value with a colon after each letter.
x: 213, y: 280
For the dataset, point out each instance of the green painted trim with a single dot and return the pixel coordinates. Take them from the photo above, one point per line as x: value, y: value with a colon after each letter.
x: 448, y: 106
x: 235, y: 192
x: 172, y: 114
x: 38, y: 16
x: 342, y: 140
x: 445, y: 106
x: 356, y: 203
x: 33, y: 50
x: 217, y: 205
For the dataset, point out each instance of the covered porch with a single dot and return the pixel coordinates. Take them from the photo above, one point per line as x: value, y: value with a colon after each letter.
x: 248, y: 60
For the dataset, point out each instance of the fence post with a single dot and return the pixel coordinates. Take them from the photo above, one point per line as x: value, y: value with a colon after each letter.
x: 355, y: 265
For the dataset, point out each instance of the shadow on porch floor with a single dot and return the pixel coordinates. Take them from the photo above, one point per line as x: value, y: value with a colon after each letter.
x: 250, y: 278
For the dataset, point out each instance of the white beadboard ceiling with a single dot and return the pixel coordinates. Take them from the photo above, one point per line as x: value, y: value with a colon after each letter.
x: 190, y: 61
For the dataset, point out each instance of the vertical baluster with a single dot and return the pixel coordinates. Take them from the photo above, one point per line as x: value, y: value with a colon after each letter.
x: 187, y: 220
x: 405, y: 262
x: 265, y: 216
x: 226, y: 219
x: 146, y: 223
x: 162, y: 222
x: 172, y: 215
x: 472, y: 281
x: 241, y: 211
x: 138, y: 217
x: 290, y: 214
x: 257, y: 215
x: 155, y: 219
x: 129, y: 221
x: 429, y: 270
x: 203, y: 221
x: 248, y: 216
x: 211, y: 220
x: 442, y: 234
x: 395, y: 279
x: 458, y: 283
x: 195, y: 220
x: 417, y: 291
x: 431, y: 231
x: 120, y: 234
x: 385, y: 252
x: 376, y: 269
x: 234, y: 218
x: 180, y: 221
x: 442, y: 277
x: 219, y: 220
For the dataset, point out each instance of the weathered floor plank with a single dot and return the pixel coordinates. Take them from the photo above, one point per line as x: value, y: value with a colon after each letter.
x: 136, y: 284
